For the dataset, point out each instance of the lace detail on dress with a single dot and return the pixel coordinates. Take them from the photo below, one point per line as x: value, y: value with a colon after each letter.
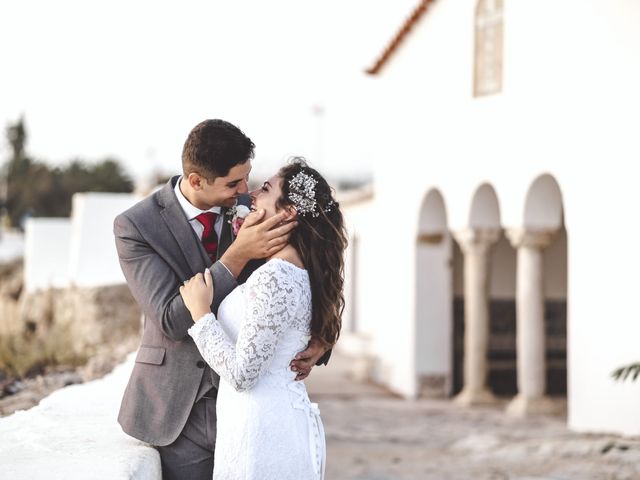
x: 267, y: 428
x: 273, y: 296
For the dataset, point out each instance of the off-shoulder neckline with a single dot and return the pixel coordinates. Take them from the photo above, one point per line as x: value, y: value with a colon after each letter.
x: 288, y: 263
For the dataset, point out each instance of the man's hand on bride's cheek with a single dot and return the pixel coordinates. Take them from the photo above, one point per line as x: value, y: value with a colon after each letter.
x: 306, y: 360
x: 261, y: 239
x: 197, y: 294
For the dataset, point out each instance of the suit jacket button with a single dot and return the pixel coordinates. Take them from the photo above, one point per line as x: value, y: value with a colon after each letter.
x: 200, y: 364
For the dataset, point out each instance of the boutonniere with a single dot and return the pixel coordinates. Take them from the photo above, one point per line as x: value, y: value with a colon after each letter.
x: 236, y: 215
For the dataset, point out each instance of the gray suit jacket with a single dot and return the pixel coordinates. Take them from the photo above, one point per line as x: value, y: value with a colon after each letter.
x: 158, y: 250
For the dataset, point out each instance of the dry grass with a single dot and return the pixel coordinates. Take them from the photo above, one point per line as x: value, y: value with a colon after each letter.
x: 27, y: 354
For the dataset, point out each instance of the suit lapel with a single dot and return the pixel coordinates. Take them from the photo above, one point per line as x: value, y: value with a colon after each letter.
x: 178, y: 225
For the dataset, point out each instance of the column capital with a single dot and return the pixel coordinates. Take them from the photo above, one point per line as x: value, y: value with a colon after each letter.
x: 521, y: 237
x: 476, y: 239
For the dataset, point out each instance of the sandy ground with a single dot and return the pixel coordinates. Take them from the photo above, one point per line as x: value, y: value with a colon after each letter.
x: 374, y: 435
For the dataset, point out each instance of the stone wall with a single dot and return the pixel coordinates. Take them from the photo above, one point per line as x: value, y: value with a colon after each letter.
x: 91, y: 326
x: 94, y: 317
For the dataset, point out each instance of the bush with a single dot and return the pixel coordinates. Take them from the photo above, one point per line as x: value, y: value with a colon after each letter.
x: 25, y: 354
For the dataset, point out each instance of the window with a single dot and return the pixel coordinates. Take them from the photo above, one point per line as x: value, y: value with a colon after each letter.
x: 488, y: 48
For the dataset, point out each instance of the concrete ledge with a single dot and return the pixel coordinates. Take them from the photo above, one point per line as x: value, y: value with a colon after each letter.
x: 74, y: 434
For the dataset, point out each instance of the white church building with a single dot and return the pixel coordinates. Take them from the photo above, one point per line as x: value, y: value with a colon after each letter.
x: 495, y: 254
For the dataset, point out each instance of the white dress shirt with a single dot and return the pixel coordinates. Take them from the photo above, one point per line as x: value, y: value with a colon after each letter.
x: 192, y: 212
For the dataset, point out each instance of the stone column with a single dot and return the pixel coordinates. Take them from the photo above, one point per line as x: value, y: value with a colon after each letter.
x: 476, y: 245
x: 530, y: 328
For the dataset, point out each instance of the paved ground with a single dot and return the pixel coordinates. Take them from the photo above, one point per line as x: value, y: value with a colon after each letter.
x: 373, y: 435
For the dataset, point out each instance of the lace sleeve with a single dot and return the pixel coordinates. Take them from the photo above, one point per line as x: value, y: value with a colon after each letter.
x: 271, y: 306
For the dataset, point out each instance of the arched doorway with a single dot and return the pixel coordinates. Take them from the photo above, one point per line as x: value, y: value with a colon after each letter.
x: 544, y: 211
x: 541, y: 298
x: 433, y: 299
x: 483, y: 304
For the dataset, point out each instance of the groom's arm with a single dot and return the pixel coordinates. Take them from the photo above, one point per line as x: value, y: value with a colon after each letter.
x: 154, y: 284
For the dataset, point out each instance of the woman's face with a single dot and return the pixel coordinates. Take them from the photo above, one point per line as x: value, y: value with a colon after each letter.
x: 266, y: 196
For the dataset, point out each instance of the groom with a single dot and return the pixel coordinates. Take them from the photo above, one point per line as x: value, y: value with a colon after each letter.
x: 164, y: 240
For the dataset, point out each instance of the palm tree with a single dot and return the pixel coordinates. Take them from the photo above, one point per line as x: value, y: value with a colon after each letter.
x: 623, y: 373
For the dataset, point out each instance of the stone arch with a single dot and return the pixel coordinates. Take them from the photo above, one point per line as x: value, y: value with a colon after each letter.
x: 433, y: 298
x: 432, y: 224
x: 542, y: 244
x: 485, y: 210
x: 491, y: 294
x: 543, y: 205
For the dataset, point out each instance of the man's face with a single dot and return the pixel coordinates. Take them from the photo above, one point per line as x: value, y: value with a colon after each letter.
x: 223, y: 191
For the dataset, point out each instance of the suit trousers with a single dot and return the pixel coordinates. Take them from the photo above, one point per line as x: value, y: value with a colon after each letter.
x: 190, y: 456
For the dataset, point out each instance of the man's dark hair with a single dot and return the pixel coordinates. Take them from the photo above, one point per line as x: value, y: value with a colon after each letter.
x: 214, y: 147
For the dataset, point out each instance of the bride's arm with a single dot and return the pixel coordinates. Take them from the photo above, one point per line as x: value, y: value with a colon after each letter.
x: 271, y: 304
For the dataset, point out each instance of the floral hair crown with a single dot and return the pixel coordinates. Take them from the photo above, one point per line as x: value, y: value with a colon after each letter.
x: 302, y: 193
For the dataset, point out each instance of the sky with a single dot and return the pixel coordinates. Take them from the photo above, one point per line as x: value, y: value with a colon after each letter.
x: 129, y: 79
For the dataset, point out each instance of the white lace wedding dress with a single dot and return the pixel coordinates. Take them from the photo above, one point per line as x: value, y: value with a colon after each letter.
x: 267, y: 427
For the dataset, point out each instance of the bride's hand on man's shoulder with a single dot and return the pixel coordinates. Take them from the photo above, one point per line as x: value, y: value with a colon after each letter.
x: 197, y: 294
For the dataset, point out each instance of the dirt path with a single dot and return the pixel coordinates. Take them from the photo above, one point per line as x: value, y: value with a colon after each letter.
x: 373, y: 435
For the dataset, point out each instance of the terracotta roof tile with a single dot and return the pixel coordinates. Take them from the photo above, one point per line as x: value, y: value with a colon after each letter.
x: 417, y: 13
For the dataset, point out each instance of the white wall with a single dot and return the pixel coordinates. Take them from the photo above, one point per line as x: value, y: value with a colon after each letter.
x: 381, y: 327
x: 93, y: 258
x: 358, y: 214
x: 11, y: 245
x: 73, y: 434
x: 569, y: 108
x: 434, y: 310
x: 46, y: 259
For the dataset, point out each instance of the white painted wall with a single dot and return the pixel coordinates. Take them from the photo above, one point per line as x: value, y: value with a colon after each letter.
x: 354, y: 338
x: 569, y: 108
x: 434, y: 310
x: 46, y: 259
x: 74, y: 434
x: 93, y: 258
x: 11, y: 245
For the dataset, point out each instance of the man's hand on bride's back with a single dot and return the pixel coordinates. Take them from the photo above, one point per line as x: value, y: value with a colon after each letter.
x: 258, y: 239
x: 306, y: 359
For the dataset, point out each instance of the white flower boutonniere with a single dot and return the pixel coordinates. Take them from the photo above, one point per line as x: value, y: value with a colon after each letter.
x: 237, y: 215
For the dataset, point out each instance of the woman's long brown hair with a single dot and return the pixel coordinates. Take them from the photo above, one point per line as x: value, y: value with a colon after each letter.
x: 320, y: 241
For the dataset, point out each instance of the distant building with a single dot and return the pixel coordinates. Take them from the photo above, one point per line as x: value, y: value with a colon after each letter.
x: 11, y: 245
x: 496, y: 253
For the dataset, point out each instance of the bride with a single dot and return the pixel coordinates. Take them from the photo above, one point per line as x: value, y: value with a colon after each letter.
x: 267, y: 427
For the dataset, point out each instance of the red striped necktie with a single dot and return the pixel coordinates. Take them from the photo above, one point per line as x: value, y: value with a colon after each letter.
x: 209, y: 237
